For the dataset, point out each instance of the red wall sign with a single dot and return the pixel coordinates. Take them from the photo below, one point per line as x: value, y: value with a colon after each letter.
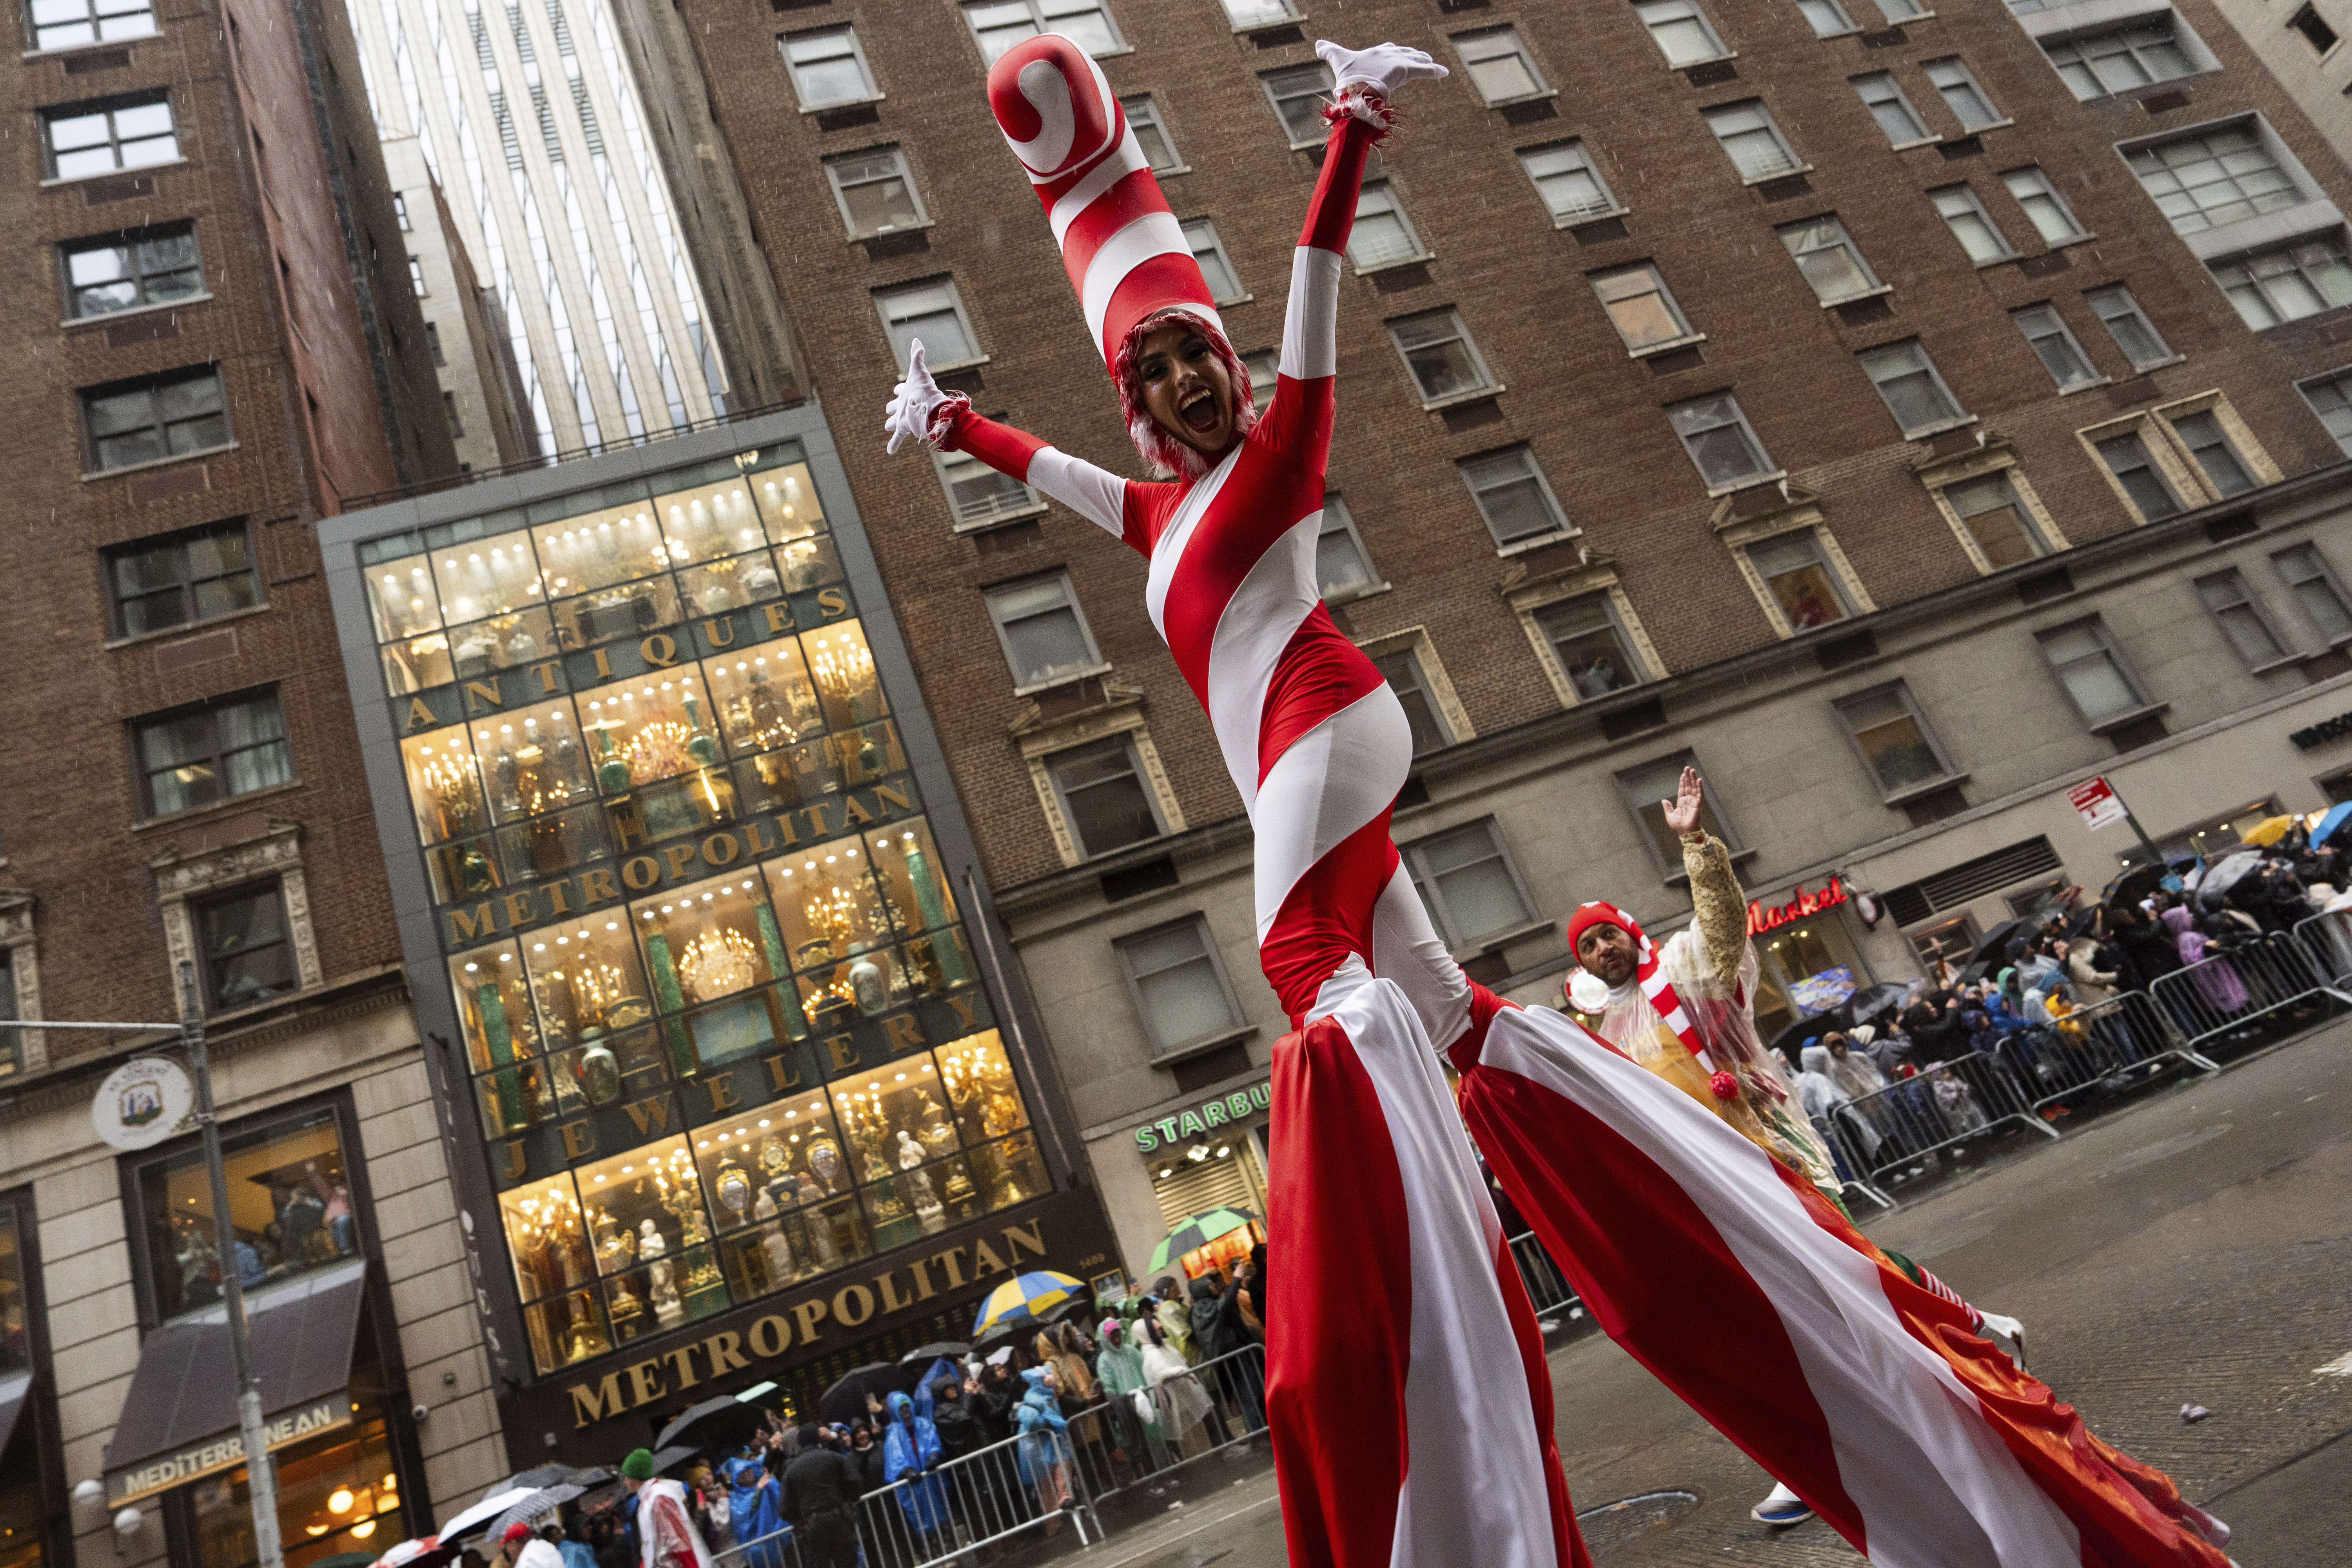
x: 1762, y: 917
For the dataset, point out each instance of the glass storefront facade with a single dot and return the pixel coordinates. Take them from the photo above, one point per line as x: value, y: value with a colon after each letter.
x: 723, y: 1016
x: 1806, y: 967
x: 290, y: 1202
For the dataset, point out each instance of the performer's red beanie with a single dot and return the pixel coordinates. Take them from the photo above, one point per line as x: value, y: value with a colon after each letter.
x: 1600, y: 914
x: 515, y: 1531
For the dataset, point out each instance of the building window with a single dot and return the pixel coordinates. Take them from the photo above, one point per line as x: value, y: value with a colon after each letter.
x: 2117, y: 59
x: 1962, y: 94
x: 2249, y: 630
x: 1833, y: 264
x: 998, y: 25
x: 154, y: 417
x: 978, y: 494
x: 1468, y: 884
x: 126, y: 271
x: 1915, y: 393
x: 1897, y: 12
x: 1721, y: 441
x: 1383, y: 236
x: 1151, y: 134
x: 2001, y: 525
x: 1443, y: 362
x: 1297, y: 94
x: 1341, y: 565
x: 12, y: 1055
x: 1648, y: 788
x: 67, y: 24
x: 1798, y: 575
x: 450, y: 411
x: 1216, y: 267
x: 433, y: 341
x: 291, y: 1208
x: 400, y: 212
x: 1179, y: 986
x: 1640, y: 307
x: 1046, y: 637
x: 2090, y: 668
x: 2203, y: 433
x: 117, y: 134
x: 2316, y: 32
x: 1571, y: 188
x: 873, y: 191
x: 2330, y: 398
x: 1680, y: 30
x: 248, y: 953
x: 1590, y: 644
x: 217, y: 751
x: 1246, y: 14
x: 2317, y: 589
x: 416, y: 276
x: 1751, y: 140
x: 2217, y: 178
x: 1402, y: 669
x: 1499, y: 65
x: 1893, y: 111
x: 1970, y: 225
x: 1263, y: 369
x: 933, y: 312
x: 2133, y: 334
x: 1103, y: 795
x: 2288, y: 283
x: 1828, y: 18
x: 2060, y: 354
x: 172, y: 579
x: 2049, y: 213
x: 828, y: 67
x: 2127, y: 459
x: 1901, y: 751
x: 1512, y: 496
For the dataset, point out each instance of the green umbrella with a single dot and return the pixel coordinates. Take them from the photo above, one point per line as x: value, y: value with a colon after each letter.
x: 1197, y: 1232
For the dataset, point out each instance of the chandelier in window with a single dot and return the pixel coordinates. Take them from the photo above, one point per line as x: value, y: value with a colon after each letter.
x: 717, y: 964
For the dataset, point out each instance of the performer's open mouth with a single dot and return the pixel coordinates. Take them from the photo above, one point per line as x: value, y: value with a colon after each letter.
x: 1200, y: 411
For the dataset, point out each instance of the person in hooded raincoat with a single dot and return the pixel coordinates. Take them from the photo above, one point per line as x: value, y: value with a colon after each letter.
x: 910, y: 1447
x: 754, y: 1511
x: 1118, y: 1368
x: 1043, y: 1452
x: 1175, y: 1388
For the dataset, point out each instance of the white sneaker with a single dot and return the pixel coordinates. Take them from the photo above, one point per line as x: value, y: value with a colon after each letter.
x: 1780, y: 1509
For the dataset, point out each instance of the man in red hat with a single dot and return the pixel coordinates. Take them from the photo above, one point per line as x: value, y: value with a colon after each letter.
x: 522, y: 1548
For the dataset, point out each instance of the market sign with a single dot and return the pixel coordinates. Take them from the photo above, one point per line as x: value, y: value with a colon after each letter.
x: 211, y: 1455
x: 2319, y: 734
x: 2097, y: 802
x: 142, y: 1103
x: 1195, y: 1121
x: 1763, y: 917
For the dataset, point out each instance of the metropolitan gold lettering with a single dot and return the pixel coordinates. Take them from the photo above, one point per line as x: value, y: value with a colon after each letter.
x: 420, y: 717
x: 660, y: 648
x: 597, y: 887
x: 519, y: 910
x: 547, y: 672
x: 649, y: 1112
x: 644, y: 1385
x: 771, y: 1335
x: 952, y: 1263
x: 752, y: 832
x: 472, y: 925
x: 517, y: 1162
x: 780, y: 617
x: 844, y: 1059
x: 891, y: 794
x: 814, y: 817
x: 596, y: 1401
x: 680, y: 857
x: 603, y: 665
x: 638, y: 881
x: 782, y: 1076
x: 717, y: 842
x: 1030, y: 1237
x: 682, y: 1359
x: 485, y: 692
x: 891, y: 1300
x: 832, y: 602
x: 853, y: 815
x: 810, y: 1312
x: 849, y: 1296
x: 722, y: 1093
x: 558, y: 897
x: 579, y: 1138
x: 719, y: 1351
x: 984, y: 1260
x: 963, y: 1012
x: 713, y: 627
x: 906, y: 1035
x: 920, y: 1269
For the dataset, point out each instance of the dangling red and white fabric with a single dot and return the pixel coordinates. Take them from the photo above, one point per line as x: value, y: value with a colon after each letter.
x: 1751, y: 1297
x: 1651, y: 976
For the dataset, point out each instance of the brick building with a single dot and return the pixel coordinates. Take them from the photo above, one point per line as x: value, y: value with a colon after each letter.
x: 1902, y: 413
x: 214, y: 341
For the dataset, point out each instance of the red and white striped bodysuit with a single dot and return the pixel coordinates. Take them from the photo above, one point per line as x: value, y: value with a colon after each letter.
x: 1407, y: 1390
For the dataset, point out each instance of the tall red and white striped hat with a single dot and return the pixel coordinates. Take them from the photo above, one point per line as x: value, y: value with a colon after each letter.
x: 1120, y: 242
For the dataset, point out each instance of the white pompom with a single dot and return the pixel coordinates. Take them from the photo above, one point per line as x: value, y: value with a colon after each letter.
x: 1588, y: 991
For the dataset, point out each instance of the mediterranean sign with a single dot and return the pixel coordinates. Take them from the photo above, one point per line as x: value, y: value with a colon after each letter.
x: 195, y: 1461
x: 1763, y: 917
x: 1196, y: 1121
x: 2096, y: 801
x: 142, y: 1103
x: 2319, y: 734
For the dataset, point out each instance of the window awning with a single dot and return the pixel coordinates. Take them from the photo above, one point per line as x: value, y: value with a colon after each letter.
x: 15, y: 1389
x: 179, y: 1421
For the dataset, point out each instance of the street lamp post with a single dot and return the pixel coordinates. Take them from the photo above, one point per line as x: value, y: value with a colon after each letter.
x: 261, y: 1474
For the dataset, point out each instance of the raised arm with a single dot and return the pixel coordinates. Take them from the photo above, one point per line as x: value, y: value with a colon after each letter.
x: 921, y: 410
x: 1366, y: 79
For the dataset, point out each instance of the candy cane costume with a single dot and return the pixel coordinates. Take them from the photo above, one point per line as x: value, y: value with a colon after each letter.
x: 1412, y: 1423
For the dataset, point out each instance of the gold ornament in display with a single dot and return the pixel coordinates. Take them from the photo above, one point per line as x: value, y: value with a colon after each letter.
x: 717, y: 964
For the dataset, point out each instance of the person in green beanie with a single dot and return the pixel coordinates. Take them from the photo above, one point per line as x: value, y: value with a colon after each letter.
x: 665, y: 1533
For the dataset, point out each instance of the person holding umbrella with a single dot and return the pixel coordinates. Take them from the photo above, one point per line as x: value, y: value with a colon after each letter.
x: 521, y: 1547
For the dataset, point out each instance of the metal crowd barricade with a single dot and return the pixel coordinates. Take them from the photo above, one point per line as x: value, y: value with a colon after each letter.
x: 1951, y: 1103
x: 1846, y: 1142
x: 2128, y: 1035
x: 1549, y: 1290
x: 779, y: 1550
x: 2228, y: 992
x: 972, y: 1501
x: 2327, y: 939
x: 1117, y: 1450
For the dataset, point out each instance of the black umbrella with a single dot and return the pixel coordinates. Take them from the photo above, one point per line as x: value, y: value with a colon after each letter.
x: 1864, y: 1006
x: 723, y: 1421
x: 846, y: 1399
x: 1994, y: 948
x: 532, y: 1508
x: 1793, y: 1038
x: 540, y: 1475
x: 668, y: 1459
x: 920, y: 1359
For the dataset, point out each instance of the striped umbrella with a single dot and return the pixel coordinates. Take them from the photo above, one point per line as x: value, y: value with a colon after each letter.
x: 1026, y: 1298
x: 1197, y: 1232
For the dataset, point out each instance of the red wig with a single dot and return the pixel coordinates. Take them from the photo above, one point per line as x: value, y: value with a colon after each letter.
x: 1159, y: 446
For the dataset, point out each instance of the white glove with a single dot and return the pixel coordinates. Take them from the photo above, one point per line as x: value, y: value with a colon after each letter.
x: 912, y: 404
x: 1383, y: 68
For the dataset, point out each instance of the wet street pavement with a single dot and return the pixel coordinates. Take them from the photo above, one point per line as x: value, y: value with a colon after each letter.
x: 2193, y: 1247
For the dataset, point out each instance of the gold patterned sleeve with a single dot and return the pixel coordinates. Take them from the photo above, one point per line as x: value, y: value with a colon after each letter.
x: 1718, y: 905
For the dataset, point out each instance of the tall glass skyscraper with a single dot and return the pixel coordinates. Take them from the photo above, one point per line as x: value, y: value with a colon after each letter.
x: 528, y: 117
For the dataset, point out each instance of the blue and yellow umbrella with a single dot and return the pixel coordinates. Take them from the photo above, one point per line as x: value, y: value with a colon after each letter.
x: 1025, y: 1299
